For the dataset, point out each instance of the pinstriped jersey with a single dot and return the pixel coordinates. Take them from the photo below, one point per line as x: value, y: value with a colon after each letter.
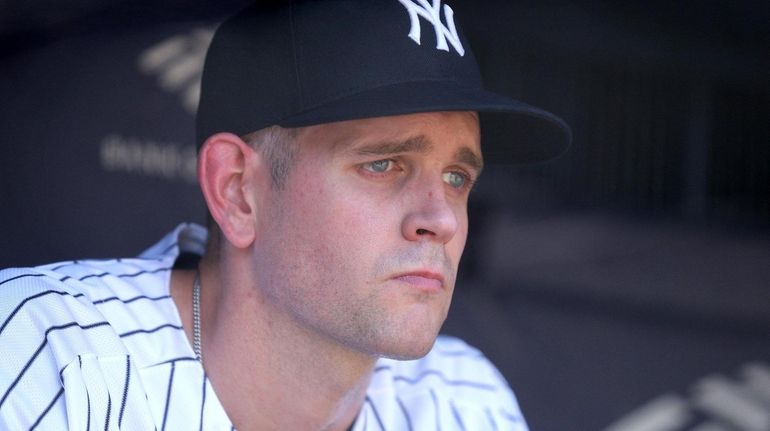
x: 99, y: 345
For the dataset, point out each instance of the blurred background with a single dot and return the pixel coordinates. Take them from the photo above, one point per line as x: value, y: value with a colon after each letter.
x: 621, y: 287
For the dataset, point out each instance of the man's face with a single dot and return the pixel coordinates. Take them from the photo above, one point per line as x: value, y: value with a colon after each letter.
x: 361, y: 246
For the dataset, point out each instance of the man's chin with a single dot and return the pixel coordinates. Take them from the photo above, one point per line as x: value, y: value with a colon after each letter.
x: 407, y: 350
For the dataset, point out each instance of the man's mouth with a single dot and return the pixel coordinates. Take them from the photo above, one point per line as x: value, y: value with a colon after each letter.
x: 425, y: 280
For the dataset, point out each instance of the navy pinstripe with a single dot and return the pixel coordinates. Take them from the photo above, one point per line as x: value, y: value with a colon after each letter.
x: 47, y: 409
x: 168, y: 394
x: 457, y: 416
x: 125, y: 391
x: 435, y: 403
x: 440, y: 375
x: 374, y: 410
x: 491, y: 419
x: 109, y: 411
x: 203, y: 401
x: 406, y: 413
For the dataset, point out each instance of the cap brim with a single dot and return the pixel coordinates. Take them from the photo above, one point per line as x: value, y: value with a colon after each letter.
x: 511, y: 131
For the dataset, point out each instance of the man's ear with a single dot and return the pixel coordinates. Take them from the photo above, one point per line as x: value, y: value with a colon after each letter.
x: 229, y: 173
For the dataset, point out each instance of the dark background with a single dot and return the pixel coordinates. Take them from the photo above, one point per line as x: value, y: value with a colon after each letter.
x: 625, y: 283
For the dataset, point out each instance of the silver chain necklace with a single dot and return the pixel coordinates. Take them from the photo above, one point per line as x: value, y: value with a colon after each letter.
x: 196, y: 308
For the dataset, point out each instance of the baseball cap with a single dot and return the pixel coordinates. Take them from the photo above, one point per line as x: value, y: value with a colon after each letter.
x: 301, y: 63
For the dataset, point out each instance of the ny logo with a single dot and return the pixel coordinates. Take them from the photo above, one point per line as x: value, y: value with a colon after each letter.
x: 432, y: 13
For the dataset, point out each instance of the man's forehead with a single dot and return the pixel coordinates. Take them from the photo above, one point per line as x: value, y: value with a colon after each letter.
x: 423, y: 133
x: 399, y: 129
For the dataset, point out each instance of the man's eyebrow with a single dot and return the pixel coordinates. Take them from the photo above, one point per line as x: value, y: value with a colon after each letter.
x: 416, y: 144
x: 470, y: 158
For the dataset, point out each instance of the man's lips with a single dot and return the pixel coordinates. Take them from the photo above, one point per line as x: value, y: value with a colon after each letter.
x: 423, y: 280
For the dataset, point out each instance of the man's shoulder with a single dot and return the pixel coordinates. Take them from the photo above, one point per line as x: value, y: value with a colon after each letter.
x: 125, y: 304
x: 86, y: 294
x: 47, y: 322
x: 81, y: 284
x: 65, y: 296
x: 92, y: 288
x: 91, y: 326
x: 455, y: 381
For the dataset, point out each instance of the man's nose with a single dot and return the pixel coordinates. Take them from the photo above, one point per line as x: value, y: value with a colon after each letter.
x: 430, y: 216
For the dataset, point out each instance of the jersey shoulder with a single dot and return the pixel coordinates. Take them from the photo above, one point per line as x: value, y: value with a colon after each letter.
x: 76, y: 308
x: 92, y: 327
x: 115, y: 306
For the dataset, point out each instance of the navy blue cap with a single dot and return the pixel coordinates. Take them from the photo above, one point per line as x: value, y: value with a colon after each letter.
x: 303, y: 63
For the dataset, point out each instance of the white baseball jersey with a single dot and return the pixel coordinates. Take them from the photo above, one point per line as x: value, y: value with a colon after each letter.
x: 99, y: 345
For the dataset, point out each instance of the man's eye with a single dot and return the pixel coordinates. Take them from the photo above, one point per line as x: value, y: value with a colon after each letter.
x: 455, y: 179
x: 379, y: 166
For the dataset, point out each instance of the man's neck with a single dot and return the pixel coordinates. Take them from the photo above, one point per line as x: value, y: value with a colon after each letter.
x: 268, y: 371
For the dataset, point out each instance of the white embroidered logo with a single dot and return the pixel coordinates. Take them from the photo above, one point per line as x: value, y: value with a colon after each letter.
x: 432, y: 13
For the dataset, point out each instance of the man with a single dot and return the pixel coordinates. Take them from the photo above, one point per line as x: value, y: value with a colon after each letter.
x: 339, y: 143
